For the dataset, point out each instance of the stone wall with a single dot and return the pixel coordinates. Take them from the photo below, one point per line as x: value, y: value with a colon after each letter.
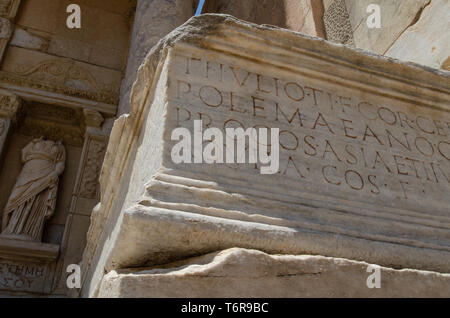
x: 71, y: 85
x: 67, y: 84
x: 102, y: 40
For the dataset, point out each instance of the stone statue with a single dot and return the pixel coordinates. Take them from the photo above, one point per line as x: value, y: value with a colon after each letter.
x: 33, y: 198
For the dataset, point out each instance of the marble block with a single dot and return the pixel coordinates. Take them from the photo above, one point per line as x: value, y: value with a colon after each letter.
x: 364, y: 154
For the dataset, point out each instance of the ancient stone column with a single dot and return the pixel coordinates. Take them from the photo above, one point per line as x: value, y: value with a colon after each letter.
x: 154, y: 19
x: 9, y: 105
x: 261, y: 12
x: 303, y: 16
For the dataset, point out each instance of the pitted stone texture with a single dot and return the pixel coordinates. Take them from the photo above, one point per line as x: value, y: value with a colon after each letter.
x: 337, y: 23
x: 250, y: 273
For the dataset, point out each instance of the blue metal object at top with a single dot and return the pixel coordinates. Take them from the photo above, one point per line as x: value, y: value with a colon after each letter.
x: 200, y: 7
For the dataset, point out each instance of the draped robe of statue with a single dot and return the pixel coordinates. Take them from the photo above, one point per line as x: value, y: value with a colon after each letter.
x: 33, y: 198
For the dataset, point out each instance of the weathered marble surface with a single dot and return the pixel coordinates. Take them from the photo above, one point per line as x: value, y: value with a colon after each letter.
x: 410, y: 30
x: 396, y: 17
x: 427, y: 36
x: 248, y: 273
x: 364, y: 161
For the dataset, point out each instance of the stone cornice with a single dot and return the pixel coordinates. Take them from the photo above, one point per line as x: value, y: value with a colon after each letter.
x: 26, y: 81
x: 28, y: 250
x: 60, y: 95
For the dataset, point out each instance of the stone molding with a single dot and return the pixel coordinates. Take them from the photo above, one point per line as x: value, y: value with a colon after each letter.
x: 28, y: 86
x: 29, y: 251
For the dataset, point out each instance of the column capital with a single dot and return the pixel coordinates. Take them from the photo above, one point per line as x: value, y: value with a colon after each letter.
x: 92, y: 118
x: 6, y: 28
x: 9, y: 104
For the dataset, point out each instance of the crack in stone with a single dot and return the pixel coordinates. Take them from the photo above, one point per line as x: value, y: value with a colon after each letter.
x: 234, y: 276
x: 298, y: 274
x: 413, y: 22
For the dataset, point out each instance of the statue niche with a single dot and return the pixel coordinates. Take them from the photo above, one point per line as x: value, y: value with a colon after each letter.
x: 33, y: 198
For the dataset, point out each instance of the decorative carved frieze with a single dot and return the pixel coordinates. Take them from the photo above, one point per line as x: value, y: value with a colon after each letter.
x: 91, y: 167
x: 91, y: 161
x: 66, y: 72
x: 93, y: 153
x: 63, y: 76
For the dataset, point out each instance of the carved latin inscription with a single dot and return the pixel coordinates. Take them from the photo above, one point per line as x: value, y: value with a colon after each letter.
x: 333, y: 139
